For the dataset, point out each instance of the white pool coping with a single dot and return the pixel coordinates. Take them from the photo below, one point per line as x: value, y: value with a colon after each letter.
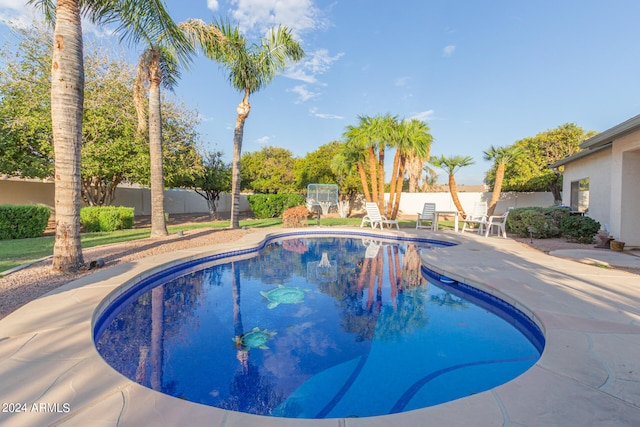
x: 589, y: 373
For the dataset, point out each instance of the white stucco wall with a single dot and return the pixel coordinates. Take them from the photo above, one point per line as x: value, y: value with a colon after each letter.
x: 625, y: 188
x: 596, y: 167
x: 411, y: 203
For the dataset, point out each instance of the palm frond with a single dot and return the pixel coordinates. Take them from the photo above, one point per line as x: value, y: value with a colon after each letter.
x: 47, y: 7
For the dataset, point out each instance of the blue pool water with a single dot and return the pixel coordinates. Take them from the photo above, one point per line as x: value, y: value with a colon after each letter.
x: 316, y: 328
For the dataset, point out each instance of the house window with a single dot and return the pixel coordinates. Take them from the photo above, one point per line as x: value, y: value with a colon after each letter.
x: 580, y: 195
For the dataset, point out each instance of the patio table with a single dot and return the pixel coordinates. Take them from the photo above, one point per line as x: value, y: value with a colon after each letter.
x: 437, y: 218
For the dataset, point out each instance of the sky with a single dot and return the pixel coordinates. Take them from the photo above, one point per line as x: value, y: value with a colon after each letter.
x: 479, y: 73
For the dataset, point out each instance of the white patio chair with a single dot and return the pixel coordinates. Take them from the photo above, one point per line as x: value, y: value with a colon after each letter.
x: 428, y: 214
x: 375, y: 218
x: 477, y: 218
x: 499, y: 222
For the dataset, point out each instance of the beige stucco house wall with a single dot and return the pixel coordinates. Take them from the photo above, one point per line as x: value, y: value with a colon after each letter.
x: 611, y: 162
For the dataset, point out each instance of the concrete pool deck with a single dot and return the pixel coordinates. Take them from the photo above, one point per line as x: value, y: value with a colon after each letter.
x: 589, y: 373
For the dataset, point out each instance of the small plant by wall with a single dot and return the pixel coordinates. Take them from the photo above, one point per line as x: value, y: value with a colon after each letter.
x: 581, y: 229
x: 23, y: 221
x: 106, y: 218
x: 544, y: 223
x: 295, y: 217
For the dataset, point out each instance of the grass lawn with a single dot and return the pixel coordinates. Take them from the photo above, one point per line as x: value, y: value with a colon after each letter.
x: 21, y: 251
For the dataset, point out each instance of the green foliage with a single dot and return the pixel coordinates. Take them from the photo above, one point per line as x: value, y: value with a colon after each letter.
x: 580, y: 229
x: 545, y: 222
x: 273, y: 205
x: 530, y: 172
x: 111, y: 153
x: 106, y: 218
x: 25, y: 115
x: 269, y: 171
x: 23, y: 221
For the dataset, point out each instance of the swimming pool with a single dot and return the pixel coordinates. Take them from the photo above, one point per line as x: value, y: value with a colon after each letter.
x: 315, y: 328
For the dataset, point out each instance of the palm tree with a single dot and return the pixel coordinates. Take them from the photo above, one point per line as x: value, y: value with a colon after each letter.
x: 372, y: 135
x: 451, y: 165
x: 250, y: 68
x: 411, y: 139
x: 501, y: 156
x: 353, y: 153
x: 137, y: 18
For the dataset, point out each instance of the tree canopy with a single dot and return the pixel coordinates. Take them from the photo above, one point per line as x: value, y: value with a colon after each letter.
x: 111, y: 153
x: 530, y: 171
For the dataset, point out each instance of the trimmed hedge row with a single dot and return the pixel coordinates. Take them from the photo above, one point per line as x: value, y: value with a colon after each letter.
x: 106, y: 218
x: 23, y: 221
x: 551, y: 222
x: 273, y: 205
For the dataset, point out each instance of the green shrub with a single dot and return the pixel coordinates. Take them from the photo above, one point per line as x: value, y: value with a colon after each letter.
x: 106, y: 218
x: 545, y: 222
x: 580, y: 229
x: 273, y: 205
x: 23, y: 221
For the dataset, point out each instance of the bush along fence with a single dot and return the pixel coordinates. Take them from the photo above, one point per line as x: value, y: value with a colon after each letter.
x: 106, y: 218
x: 273, y: 205
x: 23, y: 221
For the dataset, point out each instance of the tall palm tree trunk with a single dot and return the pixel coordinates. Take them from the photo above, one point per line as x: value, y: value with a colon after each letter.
x: 497, y: 189
x: 453, y: 189
x: 373, y: 176
x: 381, y: 178
x: 67, y: 98
x: 392, y: 186
x: 363, y: 179
x: 399, y: 183
x: 243, y: 112
x: 158, y: 223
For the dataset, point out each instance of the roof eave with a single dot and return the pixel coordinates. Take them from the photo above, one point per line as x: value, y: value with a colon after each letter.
x: 609, y: 135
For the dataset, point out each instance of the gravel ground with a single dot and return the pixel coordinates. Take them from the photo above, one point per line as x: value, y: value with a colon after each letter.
x: 20, y: 287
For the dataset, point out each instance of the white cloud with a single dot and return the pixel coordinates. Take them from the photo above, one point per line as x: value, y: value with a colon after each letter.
x: 259, y: 15
x: 401, y: 81
x: 423, y: 116
x: 315, y: 63
x: 303, y: 93
x: 314, y: 112
x: 263, y: 140
x: 212, y: 4
x: 447, y: 51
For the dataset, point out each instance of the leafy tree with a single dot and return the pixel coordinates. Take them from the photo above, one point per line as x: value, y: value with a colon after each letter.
x: 327, y: 165
x: 25, y: 114
x: 213, y: 179
x: 451, y: 165
x: 139, y: 19
x: 111, y: 154
x: 269, y: 171
x: 501, y: 156
x: 250, y: 68
x: 530, y: 172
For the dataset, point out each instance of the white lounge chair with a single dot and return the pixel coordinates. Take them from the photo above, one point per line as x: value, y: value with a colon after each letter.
x: 477, y: 218
x: 374, y: 217
x: 499, y: 222
x: 428, y: 214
